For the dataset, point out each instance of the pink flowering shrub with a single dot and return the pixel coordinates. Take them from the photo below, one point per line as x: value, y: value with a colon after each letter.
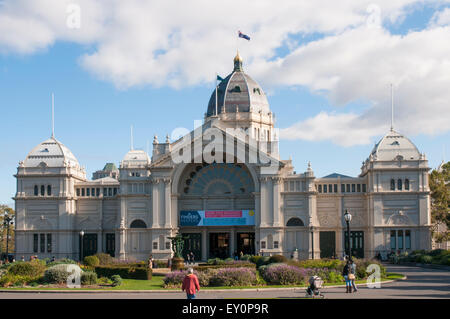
x: 282, y: 274
x: 233, y: 277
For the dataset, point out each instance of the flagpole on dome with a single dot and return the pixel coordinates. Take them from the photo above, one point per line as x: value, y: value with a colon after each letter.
x: 215, y: 81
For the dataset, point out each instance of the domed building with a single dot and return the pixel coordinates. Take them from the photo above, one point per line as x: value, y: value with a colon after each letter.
x: 226, y: 189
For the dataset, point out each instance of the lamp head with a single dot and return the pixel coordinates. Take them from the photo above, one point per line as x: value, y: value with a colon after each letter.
x: 347, y: 216
x: 82, y: 233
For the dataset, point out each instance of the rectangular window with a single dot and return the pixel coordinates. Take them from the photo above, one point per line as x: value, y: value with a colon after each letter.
x: 286, y: 186
x: 93, y: 191
x: 115, y: 191
x: 35, y: 243
x: 82, y: 192
x: 353, y: 188
x: 335, y: 188
x: 105, y: 192
x: 88, y: 192
x: 167, y: 244
x: 42, y: 243
x: 109, y: 191
x: 407, y: 239
x: 42, y: 190
x: 263, y: 245
x: 325, y: 188
x: 155, y: 245
x: 291, y: 186
x: 358, y: 188
x: 297, y: 186
x: 342, y: 188
x: 364, y: 188
x: 49, y: 243
x: 347, y: 188
x: 320, y: 188
x: 78, y: 192
x: 393, y: 240
x: 330, y: 188
x: 98, y: 192
x: 275, y: 244
x: 400, y: 239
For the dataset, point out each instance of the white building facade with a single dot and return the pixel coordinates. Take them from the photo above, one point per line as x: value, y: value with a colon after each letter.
x: 240, y: 196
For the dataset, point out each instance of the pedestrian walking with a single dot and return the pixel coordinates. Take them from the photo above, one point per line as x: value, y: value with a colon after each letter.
x: 188, y: 258
x: 150, y: 262
x: 346, y: 273
x: 353, y: 275
x: 190, y: 284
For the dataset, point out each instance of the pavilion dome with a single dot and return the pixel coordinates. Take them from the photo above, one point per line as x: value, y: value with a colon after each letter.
x: 238, y: 92
x: 136, y: 158
x: 395, y: 146
x: 52, y: 153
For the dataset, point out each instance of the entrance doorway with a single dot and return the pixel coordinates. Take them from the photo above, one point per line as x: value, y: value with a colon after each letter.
x: 356, y: 243
x: 89, y: 245
x: 219, y: 245
x: 246, y: 243
x: 193, y: 243
x: 327, y: 244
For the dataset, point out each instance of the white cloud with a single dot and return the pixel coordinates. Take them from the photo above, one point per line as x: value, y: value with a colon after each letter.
x: 183, y: 43
x: 359, y: 65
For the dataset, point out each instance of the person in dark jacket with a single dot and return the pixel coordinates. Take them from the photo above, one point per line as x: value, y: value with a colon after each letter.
x: 190, y: 284
x: 347, y: 275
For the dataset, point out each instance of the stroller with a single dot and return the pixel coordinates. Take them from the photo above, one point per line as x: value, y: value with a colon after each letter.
x: 315, y: 283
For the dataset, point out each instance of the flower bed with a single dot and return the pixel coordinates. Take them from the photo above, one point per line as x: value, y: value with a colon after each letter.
x: 282, y: 274
x: 215, y: 277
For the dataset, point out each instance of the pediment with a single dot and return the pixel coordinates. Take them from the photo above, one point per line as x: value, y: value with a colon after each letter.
x: 198, y: 146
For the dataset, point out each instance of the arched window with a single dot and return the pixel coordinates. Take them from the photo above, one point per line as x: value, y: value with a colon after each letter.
x: 42, y: 190
x: 392, y: 184
x: 295, y: 221
x: 407, y: 184
x: 49, y: 190
x: 36, y: 190
x: 399, y: 184
x: 138, y: 223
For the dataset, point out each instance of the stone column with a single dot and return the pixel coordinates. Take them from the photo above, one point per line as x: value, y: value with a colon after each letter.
x: 276, y: 181
x: 155, y: 203
x: 204, y: 242
x: 167, y: 203
x: 232, y: 240
x: 264, y: 214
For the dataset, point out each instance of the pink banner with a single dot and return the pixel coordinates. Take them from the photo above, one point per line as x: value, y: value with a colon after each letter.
x: 223, y: 213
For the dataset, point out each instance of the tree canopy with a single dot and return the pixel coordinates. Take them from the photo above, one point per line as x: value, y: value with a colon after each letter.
x: 440, y: 199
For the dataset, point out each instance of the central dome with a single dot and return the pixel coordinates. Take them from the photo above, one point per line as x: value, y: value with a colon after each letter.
x: 238, y: 92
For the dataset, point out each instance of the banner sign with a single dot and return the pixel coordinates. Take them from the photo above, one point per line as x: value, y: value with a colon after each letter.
x: 217, y: 217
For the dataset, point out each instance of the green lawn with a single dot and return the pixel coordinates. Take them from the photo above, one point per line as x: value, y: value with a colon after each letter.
x: 156, y: 283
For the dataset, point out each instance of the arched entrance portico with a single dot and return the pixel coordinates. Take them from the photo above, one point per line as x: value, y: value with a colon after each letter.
x: 216, y: 209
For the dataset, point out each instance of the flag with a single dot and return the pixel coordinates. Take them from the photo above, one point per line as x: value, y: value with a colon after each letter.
x: 246, y: 37
x: 219, y: 78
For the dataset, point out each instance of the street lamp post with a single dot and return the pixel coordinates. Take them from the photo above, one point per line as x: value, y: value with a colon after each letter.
x: 348, y: 218
x: 81, y: 248
x: 7, y: 220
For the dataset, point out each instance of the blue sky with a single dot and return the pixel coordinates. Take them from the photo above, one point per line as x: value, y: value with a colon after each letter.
x: 94, y: 108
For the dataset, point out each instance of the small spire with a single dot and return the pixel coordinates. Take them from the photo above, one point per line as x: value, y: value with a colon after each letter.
x: 131, y: 138
x: 238, y: 63
x: 53, y: 115
x: 392, y: 108
x: 167, y: 139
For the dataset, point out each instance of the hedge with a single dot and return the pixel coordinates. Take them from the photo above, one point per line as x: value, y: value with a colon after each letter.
x: 31, y: 269
x: 203, y: 267
x: 125, y: 272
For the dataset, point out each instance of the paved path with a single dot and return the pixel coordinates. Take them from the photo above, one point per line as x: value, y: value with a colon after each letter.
x: 421, y: 283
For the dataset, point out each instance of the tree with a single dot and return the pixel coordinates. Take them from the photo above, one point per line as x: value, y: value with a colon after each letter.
x: 5, y: 210
x: 440, y: 200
